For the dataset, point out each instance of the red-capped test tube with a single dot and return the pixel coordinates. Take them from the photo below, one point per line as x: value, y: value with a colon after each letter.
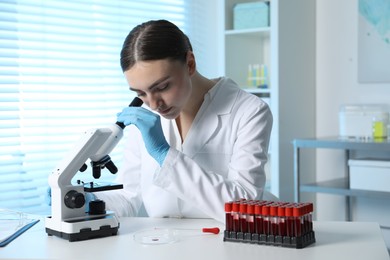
x: 282, y: 220
x: 298, y: 220
x: 236, y: 216
x: 229, y: 216
x: 307, y: 217
x: 266, y: 217
x: 243, y: 223
x: 258, y: 218
x: 274, y: 219
x: 289, y: 220
x: 250, y: 217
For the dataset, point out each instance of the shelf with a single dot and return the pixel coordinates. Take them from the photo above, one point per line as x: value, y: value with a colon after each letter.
x: 244, y: 48
x: 257, y: 90
x: 255, y: 31
x: 340, y: 187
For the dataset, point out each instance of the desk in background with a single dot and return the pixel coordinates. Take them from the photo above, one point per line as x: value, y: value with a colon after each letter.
x: 341, y: 185
x: 335, y: 240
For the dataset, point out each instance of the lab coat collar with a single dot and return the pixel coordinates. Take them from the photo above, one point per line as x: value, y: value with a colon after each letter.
x: 218, y: 102
x: 222, y: 96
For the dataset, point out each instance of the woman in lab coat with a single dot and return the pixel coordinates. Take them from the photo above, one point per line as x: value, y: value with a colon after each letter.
x: 196, y: 143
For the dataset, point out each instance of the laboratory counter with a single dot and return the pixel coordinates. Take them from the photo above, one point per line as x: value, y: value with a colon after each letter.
x: 334, y: 240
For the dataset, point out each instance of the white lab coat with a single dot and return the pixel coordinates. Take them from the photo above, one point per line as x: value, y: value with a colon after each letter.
x: 221, y: 159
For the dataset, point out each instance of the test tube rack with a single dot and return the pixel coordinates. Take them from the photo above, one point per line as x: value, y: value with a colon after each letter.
x: 265, y: 222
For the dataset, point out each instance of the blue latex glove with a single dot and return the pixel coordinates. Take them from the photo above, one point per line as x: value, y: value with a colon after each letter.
x: 150, y: 126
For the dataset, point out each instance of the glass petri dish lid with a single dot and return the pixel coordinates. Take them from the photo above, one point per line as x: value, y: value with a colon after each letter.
x: 157, y: 236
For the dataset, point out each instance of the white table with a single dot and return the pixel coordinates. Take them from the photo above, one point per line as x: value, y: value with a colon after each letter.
x: 334, y: 240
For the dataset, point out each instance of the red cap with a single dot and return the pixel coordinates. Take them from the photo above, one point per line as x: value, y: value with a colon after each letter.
x: 273, y: 210
x: 298, y: 210
x: 236, y: 207
x: 282, y: 211
x: 243, y: 207
x: 310, y: 207
x: 228, y: 206
x: 250, y: 209
x: 265, y: 210
x: 258, y: 209
x: 289, y: 211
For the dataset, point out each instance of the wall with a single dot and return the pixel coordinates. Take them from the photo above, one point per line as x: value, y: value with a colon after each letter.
x: 296, y: 92
x: 205, y: 41
x: 336, y: 84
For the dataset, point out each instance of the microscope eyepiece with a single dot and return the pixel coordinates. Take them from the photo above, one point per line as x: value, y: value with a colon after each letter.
x: 137, y: 102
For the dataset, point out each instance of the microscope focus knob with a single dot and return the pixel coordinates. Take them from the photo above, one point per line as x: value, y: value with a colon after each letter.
x: 74, y: 199
x: 97, y: 207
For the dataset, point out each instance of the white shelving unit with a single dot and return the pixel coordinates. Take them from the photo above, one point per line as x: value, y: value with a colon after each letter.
x: 286, y: 80
x: 244, y: 47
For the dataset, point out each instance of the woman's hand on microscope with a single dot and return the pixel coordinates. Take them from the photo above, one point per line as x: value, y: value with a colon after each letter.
x: 150, y: 126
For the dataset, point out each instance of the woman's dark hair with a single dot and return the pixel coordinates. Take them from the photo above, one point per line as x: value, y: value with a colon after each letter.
x: 154, y: 40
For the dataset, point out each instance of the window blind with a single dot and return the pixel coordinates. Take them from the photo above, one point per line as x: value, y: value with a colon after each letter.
x: 59, y: 76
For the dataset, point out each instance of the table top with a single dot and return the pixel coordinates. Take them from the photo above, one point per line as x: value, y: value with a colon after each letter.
x: 334, y: 240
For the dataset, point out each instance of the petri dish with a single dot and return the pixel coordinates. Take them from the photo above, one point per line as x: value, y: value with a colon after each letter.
x: 156, y: 236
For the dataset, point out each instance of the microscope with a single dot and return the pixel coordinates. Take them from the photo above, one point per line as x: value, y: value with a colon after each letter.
x: 70, y: 219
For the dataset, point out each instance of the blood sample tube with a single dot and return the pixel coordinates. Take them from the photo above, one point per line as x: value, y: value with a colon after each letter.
x: 243, y: 223
x: 305, y: 218
x: 258, y: 218
x: 250, y: 219
x: 228, y: 216
x: 236, y: 216
x: 298, y: 220
x: 310, y: 219
x: 289, y: 220
x: 273, y: 219
x: 282, y: 220
x: 266, y: 218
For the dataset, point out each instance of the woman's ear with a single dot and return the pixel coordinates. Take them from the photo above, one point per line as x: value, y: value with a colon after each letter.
x: 191, y: 63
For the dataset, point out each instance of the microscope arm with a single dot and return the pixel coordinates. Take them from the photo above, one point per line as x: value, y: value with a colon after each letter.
x: 92, y: 144
x: 95, y: 144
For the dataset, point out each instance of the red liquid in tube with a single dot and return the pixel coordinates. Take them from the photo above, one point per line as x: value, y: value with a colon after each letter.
x: 274, y: 219
x: 289, y: 221
x: 308, y: 218
x: 266, y: 224
x: 236, y: 216
x: 243, y: 223
x: 298, y: 220
x: 282, y: 221
x: 250, y: 218
x: 228, y: 216
x: 258, y: 219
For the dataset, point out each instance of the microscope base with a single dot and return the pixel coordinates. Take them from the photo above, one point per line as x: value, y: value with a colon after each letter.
x: 84, y: 229
x: 105, y: 231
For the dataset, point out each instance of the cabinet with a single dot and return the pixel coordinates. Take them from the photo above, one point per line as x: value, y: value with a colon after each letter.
x: 287, y: 48
x: 339, y: 186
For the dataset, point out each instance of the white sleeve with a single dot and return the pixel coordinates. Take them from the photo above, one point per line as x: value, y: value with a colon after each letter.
x: 245, y: 179
x: 127, y: 201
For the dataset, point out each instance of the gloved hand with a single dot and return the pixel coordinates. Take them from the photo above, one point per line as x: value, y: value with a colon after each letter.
x: 150, y: 126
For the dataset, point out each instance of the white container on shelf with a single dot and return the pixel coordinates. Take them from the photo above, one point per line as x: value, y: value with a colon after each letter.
x: 356, y: 120
x: 373, y: 175
x: 251, y: 15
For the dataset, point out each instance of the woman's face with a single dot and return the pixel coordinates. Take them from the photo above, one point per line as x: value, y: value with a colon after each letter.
x: 163, y: 85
